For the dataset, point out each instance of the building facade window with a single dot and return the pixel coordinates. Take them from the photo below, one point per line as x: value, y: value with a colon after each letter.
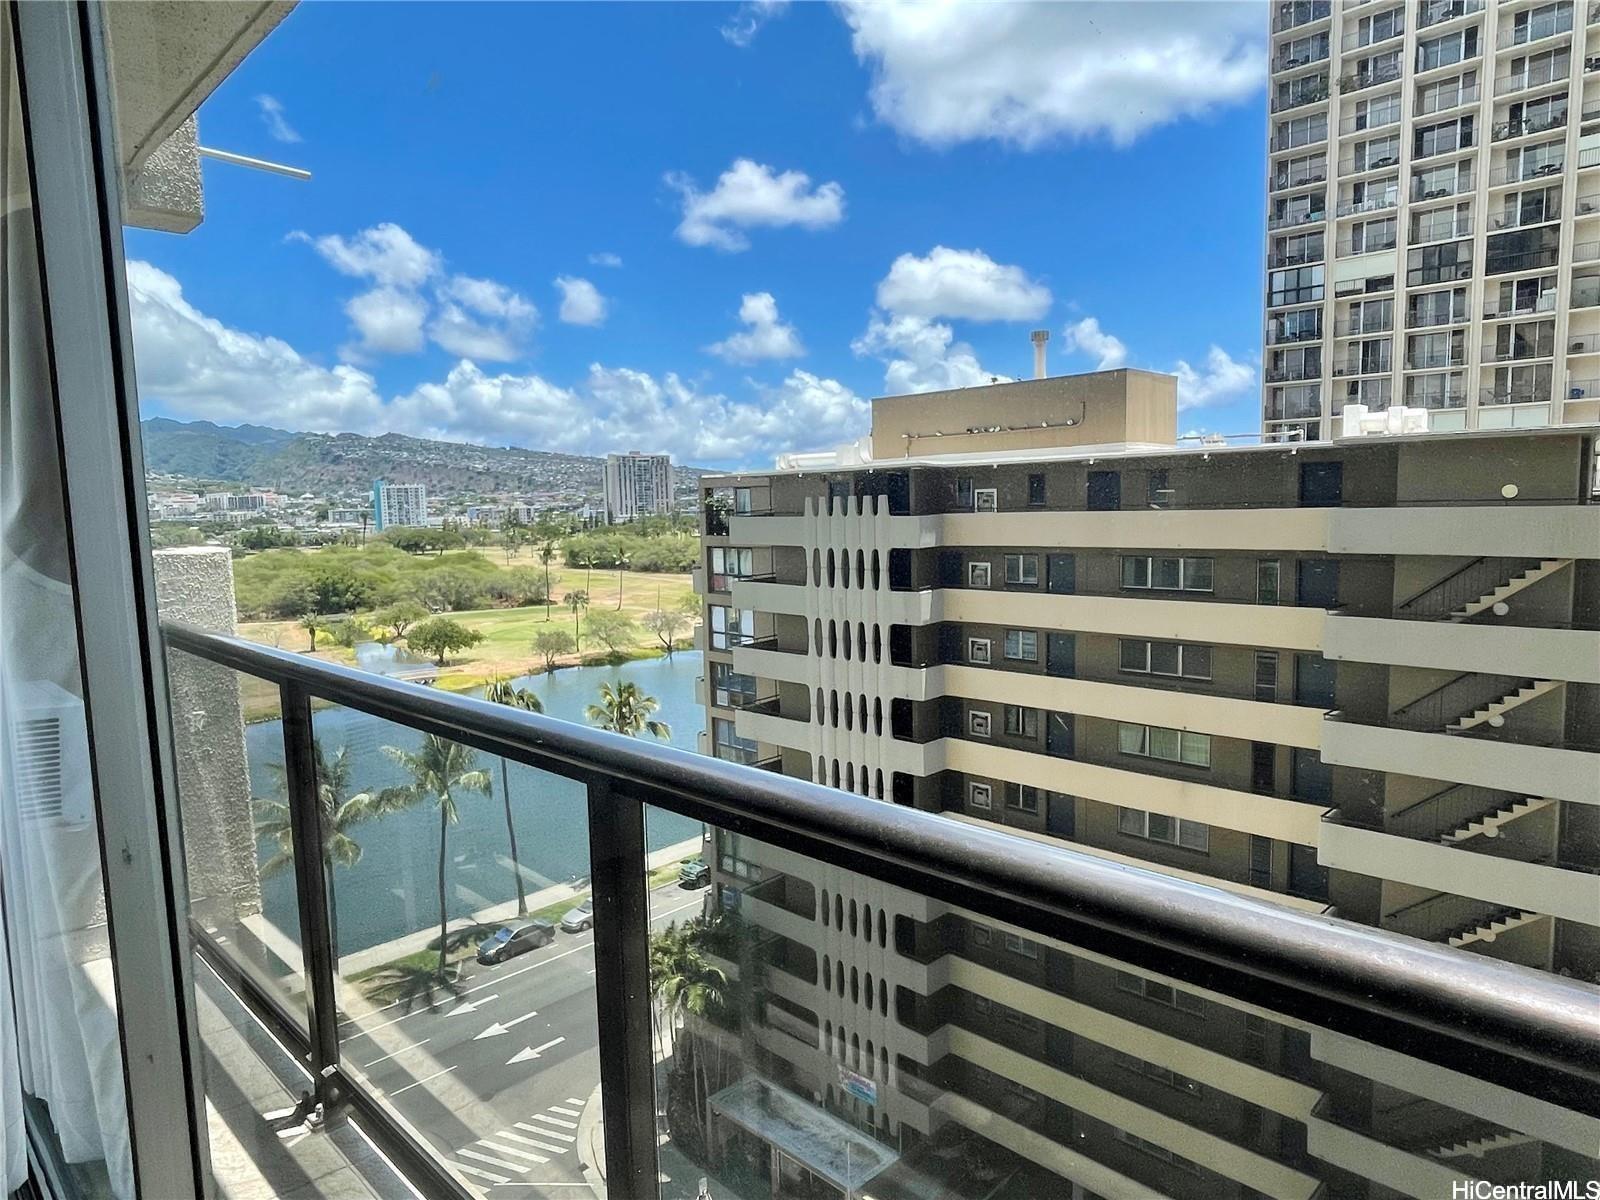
x: 978, y: 651
x: 979, y: 723
x: 1166, y: 573
x: 1175, y: 659
x: 1022, y: 798
x: 980, y: 795
x: 1021, y: 722
x: 977, y: 574
x: 1022, y: 569
x: 1169, y: 745
x: 1022, y: 645
x: 1158, y: 827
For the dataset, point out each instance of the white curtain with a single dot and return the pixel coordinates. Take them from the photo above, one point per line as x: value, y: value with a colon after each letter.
x: 59, y: 1040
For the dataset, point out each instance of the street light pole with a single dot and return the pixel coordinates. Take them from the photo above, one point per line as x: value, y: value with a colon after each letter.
x: 622, y: 565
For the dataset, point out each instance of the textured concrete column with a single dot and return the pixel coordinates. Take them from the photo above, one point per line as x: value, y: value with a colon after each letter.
x: 194, y: 584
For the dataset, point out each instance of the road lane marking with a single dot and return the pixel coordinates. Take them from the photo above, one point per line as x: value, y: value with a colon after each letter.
x: 554, y: 1121
x: 549, y: 1133
x: 574, y: 1100
x: 481, y: 1174
x: 497, y: 1028
x: 402, y: 1050
x: 512, y: 1150
x: 532, y: 1052
x: 467, y: 1006
x: 528, y: 1141
x: 478, y: 1156
x: 669, y: 911
x: 420, y: 1082
x: 565, y: 1112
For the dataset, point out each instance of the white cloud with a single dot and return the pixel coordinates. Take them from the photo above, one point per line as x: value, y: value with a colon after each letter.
x: 1026, y: 74
x: 389, y: 320
x: 581, y: 301
x: 194, y: 366
x: 749, y: 195
x: 961, y: 283
x: 191, y: 365
x: 1222, y: 378
x: 766, y: 336
x: 747, y: 20
x: 385, y: 254
x: 277, y: 123
x: 475, y: 318
x: 919, y: 355
x: 604, y: 258
x: 1108, y: 352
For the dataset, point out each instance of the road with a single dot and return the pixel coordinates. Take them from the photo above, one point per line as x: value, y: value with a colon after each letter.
x: 496, y: 1079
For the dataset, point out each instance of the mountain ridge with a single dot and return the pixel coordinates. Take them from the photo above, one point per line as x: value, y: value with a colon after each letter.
x: 296, y: 462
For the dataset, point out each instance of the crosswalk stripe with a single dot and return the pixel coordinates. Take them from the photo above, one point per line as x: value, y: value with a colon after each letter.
x: 554, y: 1121
x: 565, y: 1112
x: 512, y: 1150
x: 528, y: 1141
x: 572, y: 1100
x: 492, y: 1161
x: 549, y: 1133
x: 489, y: 1175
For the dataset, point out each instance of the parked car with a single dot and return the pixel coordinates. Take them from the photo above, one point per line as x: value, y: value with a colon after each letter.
x: 694, y: 874
x: 511, y: 940
x: 579, y: 917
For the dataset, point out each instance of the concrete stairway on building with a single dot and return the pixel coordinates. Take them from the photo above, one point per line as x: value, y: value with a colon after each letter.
x: 1529, y: 690
x: 1493, y: 926
x: 1510, y: 587
x: 1477, y: 1147
x: 1490, y: 824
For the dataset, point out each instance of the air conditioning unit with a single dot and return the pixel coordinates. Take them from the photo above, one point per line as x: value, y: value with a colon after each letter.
x: 47, y: 742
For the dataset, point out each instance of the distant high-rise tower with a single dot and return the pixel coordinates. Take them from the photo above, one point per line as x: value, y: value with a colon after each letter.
x: 1433, y: 213
x: 637, y: 485
x: 398, y: 504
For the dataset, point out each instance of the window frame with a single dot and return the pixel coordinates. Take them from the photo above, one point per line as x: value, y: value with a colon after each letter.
x: 980, y: 568
x: 985, y: 500
x: 980, y: 723
x: 1021, y: 562
x: 980, y: 657
x: 1021, y: 635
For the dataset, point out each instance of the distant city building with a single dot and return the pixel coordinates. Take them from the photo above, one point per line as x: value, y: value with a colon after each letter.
x: 1432, y: 216
x: 348, y: 516
x: 398, y: 504
x: 637, y: 485
x: 242, y: 501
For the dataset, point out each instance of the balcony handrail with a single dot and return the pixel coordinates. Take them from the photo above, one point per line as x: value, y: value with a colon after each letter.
x: 1528, y: 1029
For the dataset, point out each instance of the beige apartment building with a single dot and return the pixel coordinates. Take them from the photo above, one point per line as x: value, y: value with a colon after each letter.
x: 1359, y: 678
x: 1433, y: 213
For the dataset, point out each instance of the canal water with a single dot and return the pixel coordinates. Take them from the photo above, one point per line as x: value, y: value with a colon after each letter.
x: 393, y: 889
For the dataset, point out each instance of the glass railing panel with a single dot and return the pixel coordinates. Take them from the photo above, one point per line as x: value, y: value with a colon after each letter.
x: 461, y: 910
x: 819, y: 1032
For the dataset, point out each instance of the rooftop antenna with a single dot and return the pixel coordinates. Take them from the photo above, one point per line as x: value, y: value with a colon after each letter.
x: 1039, y: 337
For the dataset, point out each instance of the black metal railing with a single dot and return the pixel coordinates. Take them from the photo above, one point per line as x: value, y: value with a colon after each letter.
x: 1462, y: 586
x: 1459, y: 697
x: 1532, y: 1031
x: 1445, y: 811
x: 1442, y: 917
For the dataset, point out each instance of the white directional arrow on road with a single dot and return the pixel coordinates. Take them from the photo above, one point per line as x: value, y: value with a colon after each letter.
x: 467, y: 1006
x: 532, y: 1052
x: 497, y: 1028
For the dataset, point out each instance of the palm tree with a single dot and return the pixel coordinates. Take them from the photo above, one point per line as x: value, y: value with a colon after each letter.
x: 547, y: 551
x: 576, y: 601
x: 682, y: 981
x: 627, y: 710
x: 340, y: 812
x: 500, y: 691
x: 440, y: 770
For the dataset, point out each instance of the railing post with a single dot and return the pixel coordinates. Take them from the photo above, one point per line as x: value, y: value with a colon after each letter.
x: 622, y: 988
x: 311, y: 889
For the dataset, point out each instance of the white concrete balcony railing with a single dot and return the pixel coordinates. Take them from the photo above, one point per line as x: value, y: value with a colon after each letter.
x: 1557, y: 891
x: 1572, y: 655
x: 1562, y: 774
x: 1407, y: 1173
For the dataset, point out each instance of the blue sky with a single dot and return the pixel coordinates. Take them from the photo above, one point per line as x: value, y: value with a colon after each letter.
x: 718, y: 229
